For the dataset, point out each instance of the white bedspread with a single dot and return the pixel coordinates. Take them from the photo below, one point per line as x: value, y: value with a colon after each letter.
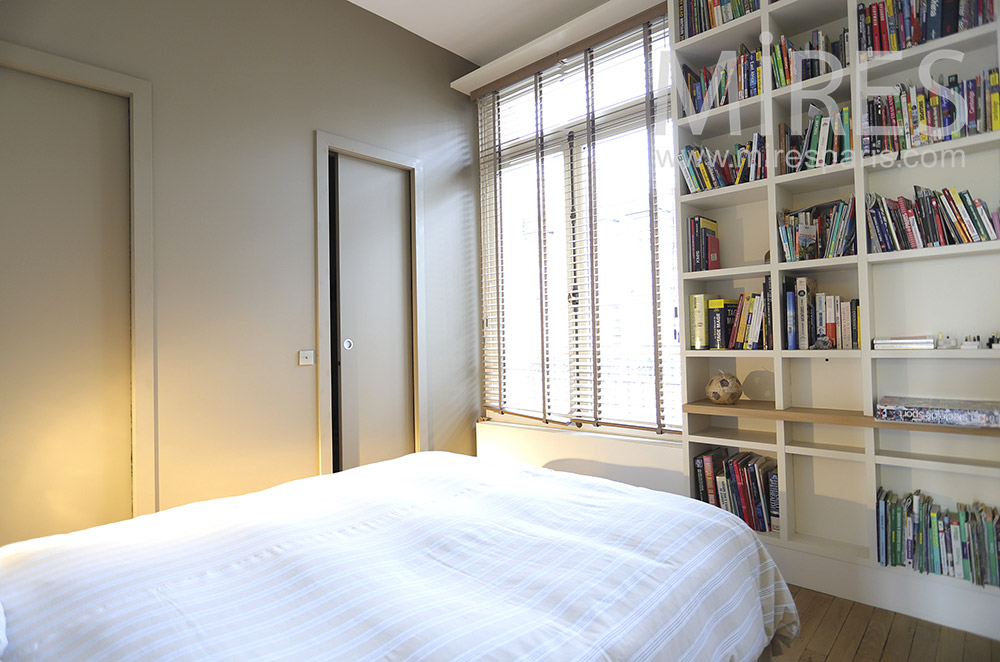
x: 433, y: 556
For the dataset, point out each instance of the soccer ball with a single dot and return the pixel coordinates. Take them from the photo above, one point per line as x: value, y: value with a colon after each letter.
x: 724, y: 389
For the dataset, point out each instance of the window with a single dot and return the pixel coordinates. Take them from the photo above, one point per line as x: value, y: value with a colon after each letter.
x: 579, y: 242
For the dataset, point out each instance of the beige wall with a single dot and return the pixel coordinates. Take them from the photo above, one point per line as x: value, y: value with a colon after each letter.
x: 238, y: 89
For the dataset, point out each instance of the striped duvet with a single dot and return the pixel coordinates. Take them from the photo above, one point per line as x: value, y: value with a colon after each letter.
x: 433, y: 556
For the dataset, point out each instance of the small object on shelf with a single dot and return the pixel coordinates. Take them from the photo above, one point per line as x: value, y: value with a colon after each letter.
x: 972, y: 342
x: 904, y: 342
x: 946, y: 342
x: 962, y: 413
x: 724, y: 389
x: 822, y: 343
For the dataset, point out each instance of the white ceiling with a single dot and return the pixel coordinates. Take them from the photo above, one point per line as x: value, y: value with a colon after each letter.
x: 479, y: 30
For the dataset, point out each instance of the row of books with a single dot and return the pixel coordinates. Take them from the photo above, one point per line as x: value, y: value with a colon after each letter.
x: 937, y: 411
x: 741, y: 323
x: 703, y: 244
x: 697, y: 16
x: 915, y: 115
x: 744, y: 483
x: 732, y: 80
x: 916, y: 533
x: 819, y: 231
x: 827, y: 140
x: 705, y: 169
x: 895, y: 25
x: 792, y: 65
x: 933, y: 218
x: 817, y: 320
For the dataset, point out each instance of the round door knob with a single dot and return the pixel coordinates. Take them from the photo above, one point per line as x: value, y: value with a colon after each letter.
x: 348, y: 344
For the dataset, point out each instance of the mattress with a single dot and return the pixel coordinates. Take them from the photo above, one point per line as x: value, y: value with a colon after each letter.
x: 432, y: 556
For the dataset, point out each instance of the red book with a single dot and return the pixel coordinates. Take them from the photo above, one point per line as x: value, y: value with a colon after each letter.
x: 736, y: 470
x: 708, y: 465
x: 713, y: 252
x: 883, y: 26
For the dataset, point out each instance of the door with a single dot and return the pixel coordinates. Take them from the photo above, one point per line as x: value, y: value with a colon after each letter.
x: 372, y: 312
x: 65, y: 338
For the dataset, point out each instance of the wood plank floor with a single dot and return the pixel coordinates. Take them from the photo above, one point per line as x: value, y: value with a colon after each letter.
x: 835, y: 630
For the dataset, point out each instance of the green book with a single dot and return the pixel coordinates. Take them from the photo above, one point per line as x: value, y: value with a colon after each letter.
x: 963, y: 536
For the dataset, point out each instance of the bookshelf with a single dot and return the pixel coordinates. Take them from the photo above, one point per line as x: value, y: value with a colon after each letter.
x: 813, y: 410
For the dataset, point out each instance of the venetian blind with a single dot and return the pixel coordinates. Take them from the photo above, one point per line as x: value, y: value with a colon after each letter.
x: 579, y: 270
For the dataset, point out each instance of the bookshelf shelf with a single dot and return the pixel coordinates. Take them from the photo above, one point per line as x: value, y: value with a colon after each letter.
x: 727, y: 353
x: 831, y: 451
x: 936, y: 252
x: 820, y: 353
x: 833, y: 455
x: 716, y: 120
x: 845, y: 263
x: 830, y: 176
x: 950, y: 153
x: 946, y: 354
x: 888, y: 64
x: 706, y: 44
x: 727, y: 196
x: 936, y: 462
x: 795, y: 16
x: 729, y: 273
x: 753, y: 440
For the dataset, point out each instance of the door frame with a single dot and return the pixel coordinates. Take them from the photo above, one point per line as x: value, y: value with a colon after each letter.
x: 325, y: 145
x: 138, y: 93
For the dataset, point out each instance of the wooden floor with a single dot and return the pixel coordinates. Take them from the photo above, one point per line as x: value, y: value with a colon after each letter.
x: 834, y: 629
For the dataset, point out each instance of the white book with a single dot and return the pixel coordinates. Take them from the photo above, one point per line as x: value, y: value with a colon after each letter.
x: 822, y: 145
x: 956, y: 546
x: 820, y: 314
x: 845, y: 324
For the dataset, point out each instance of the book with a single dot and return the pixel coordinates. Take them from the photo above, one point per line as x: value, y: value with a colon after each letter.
x: 698, y: 310
x: 721, y: 314
x: 935, y: 411
x: 805, y: 291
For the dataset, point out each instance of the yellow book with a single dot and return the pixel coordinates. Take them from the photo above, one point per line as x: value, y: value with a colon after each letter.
x: 995, y: 99
x: 699, y: 320
x: 893, y: 42
x: 741, y: 332
x: 922, y: 116
x: 703, y: 170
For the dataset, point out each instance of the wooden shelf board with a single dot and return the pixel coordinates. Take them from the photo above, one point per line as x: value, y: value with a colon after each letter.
x: 820, y: 416
x: 939, y: 463
x: 766, y: 410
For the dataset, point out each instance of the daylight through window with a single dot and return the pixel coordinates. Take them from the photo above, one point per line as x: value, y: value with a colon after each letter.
x: 579, y: 273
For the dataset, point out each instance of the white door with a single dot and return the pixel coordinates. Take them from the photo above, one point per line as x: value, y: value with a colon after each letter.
x: 65, y: 357
x: 374, y: 333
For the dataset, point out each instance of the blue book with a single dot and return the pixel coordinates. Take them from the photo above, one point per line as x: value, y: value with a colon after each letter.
x: 772, y: 499
x: 934, y: 19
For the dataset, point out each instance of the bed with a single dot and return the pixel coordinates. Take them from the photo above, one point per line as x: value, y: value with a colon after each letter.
x: 432, y: 556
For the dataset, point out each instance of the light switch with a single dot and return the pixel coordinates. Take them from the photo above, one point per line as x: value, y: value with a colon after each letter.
x: 307, y: 357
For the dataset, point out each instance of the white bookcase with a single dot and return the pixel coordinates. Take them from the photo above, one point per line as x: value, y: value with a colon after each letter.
x: 812, y: 410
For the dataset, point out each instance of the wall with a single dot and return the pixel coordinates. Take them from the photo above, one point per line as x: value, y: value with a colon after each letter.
x: 238, y: 89
x: 658, y: 465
